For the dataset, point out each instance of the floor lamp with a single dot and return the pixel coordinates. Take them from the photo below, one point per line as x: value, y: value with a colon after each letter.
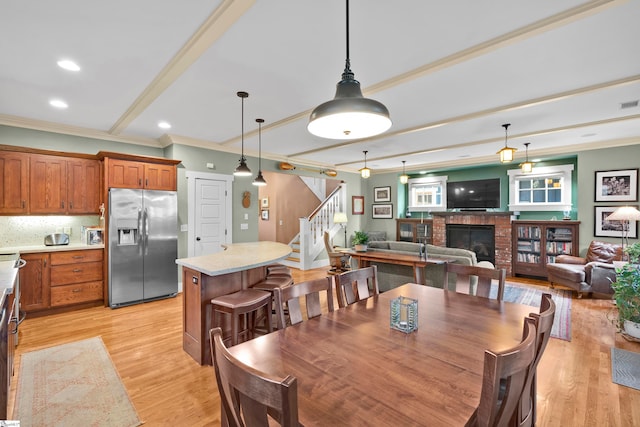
x: 341, y: 218
x: 624, y: 214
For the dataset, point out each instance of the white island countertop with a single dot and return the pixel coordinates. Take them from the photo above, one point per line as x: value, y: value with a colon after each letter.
x: 237, y: 257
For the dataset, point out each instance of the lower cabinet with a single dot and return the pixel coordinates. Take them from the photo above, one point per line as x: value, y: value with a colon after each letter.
x: 58, y: 279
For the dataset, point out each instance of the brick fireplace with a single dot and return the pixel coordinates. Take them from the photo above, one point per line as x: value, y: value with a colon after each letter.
x: 501, y: 221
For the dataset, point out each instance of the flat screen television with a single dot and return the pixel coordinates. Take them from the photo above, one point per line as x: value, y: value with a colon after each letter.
x: 477, y: 194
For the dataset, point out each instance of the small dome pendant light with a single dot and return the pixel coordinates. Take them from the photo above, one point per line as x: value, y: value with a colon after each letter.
x: 259, y: 181
x: 365, y: 172
x: 404, y: 178
x: 526, y: 166
x: 242, y: 169
x: 349, y: 115
x: 506, y: 154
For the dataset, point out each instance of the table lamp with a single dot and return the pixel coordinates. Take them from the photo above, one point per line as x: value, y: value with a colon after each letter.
x: 341, y: 218
x: 624, y: 214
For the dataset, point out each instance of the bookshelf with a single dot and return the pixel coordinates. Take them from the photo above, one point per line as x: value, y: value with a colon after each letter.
x: 538, y: 243
x: 414, y: 230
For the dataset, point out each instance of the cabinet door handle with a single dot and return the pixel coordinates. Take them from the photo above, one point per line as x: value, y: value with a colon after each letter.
x: 75, y: 291
x: 24, y: 203
x: 45, y: 262
x: 62, y: 205
x: 77, y: 270
x: 70, y: 205
x: 140, y: 182
x: 78, y: 256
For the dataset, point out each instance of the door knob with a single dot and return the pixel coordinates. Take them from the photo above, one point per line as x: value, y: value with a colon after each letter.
x: 198, y: 239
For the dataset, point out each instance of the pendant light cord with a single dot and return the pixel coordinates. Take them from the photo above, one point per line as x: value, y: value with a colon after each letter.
x: 242, y: 128
x: 347, y: 74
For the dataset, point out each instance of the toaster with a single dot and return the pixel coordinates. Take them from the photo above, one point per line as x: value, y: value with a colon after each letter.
x: 55, y: 239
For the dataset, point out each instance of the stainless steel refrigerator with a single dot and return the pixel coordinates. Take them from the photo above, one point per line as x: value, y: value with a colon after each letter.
x: 143, y: 245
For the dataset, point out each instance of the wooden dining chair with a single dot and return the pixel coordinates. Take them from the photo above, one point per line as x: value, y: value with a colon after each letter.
x: 311, y: 290
x: 250, y: 397
x: 356, y: 285
x: 503, y: 382
x: 526, y: 413
x: 485, y: 277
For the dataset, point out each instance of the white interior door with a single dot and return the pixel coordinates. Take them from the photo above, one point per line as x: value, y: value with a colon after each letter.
x: 209, y: 213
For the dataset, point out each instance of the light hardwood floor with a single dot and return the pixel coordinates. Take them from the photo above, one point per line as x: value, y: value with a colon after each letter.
x: 168, y: 388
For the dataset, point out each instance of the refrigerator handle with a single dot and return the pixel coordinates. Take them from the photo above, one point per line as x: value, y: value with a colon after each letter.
x: 146, y: 231
x: 140, y: 232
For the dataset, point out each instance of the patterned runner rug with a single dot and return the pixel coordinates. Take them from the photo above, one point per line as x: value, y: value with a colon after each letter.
x: 73, y: 384
x: 523, y: 294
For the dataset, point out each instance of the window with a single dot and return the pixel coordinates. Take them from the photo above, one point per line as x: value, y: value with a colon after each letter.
x: 428, y: 194
x: 545, y: 189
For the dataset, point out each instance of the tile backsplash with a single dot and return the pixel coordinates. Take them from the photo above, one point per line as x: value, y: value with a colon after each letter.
x: 30, y: 230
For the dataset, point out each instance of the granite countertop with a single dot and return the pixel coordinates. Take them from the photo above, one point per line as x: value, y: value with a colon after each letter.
x: 27, y: 249
x: 237, y: 257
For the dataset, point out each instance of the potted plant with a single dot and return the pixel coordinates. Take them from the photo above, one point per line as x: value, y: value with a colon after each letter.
x: 360, y: 240
x: 626, y: 292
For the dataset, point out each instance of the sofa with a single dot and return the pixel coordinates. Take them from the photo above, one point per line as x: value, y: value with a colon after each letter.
x: 592, y: 273
x: 391, y: 275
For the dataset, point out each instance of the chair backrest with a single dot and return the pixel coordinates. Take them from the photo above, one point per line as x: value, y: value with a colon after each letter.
x: 504, y: 378
x: 335, y: 258
x: 544, y: 322
x: 356, y: 285
x: 485, y: 277
x: 250, y: 397
x: 291, y: 295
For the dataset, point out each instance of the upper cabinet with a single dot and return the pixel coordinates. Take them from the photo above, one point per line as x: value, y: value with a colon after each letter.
x: 130, y: 171
x: 14, y: 187
x: 63, y: 185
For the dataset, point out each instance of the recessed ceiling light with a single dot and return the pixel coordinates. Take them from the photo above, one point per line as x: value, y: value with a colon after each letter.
x: 58, y: 103
x: 164, y: 125
x: 68, y: 64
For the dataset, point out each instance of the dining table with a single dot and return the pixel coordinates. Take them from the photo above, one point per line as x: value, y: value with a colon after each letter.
x: 353, y: 369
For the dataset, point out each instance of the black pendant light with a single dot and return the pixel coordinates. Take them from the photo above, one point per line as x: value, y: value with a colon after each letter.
x: 526, y: 166
x: 365, y: 172
x: 259, y: 181
x: 242, y: 169
x: 404, y: 178
x: 506, y: 154
x: 349, y: 115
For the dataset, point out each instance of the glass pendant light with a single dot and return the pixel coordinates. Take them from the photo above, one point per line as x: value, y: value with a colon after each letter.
x: 259, y: 181
x: 506, y: 154
x: 349, y: 115
x: 526, y: 166
x: 404, y: 178
x: 242, y: 169
x: 365, y: 172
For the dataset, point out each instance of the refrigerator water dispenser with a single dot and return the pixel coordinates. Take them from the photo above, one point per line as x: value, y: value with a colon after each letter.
x: 127, y: 232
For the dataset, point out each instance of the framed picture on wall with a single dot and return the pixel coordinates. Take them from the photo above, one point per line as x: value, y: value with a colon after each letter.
x: 264, y: 203
x: 357, y: 205
x: 382, y: 211
x: 617, y: 186
x: 264, y: 214
x: 605, y: 228
x: 381, y: 194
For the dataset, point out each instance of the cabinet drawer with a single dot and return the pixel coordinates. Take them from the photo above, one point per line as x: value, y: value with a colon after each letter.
x: 76, y: 273
x: 73, y: 257
x: 73, y: 294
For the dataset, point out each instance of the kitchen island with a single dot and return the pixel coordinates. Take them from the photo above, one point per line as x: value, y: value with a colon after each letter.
x: 205, y: 277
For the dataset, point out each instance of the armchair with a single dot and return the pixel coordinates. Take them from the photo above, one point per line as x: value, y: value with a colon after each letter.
x: 338, y: 260
x: 593, y: 273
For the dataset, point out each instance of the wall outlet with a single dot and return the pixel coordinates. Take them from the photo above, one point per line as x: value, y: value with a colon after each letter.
x: 67, y: 230
x: 244, y: 226
x: 184, y: 227
x: 246, y: 216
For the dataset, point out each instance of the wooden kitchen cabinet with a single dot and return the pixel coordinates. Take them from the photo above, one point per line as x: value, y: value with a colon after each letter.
x: 34, y: 282
x: 14, y: 188
x: 63, y: 185
x: 130, y: 171
x: 76, y: 277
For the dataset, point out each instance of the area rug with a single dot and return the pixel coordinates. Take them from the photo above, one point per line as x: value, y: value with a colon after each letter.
x: 526, y: 295
x: 70, y: 385
x: 625, y: 368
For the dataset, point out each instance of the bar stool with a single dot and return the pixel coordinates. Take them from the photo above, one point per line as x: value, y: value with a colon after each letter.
x: 275, y: 279
x: 242, y: 303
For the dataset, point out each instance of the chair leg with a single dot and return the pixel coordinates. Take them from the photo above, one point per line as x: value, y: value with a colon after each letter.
x: 235, y: 327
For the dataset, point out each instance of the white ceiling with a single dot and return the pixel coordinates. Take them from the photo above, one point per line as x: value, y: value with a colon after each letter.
x: 450, y: 73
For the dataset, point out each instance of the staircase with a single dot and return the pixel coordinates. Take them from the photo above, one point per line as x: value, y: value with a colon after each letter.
x: 308, y: 245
